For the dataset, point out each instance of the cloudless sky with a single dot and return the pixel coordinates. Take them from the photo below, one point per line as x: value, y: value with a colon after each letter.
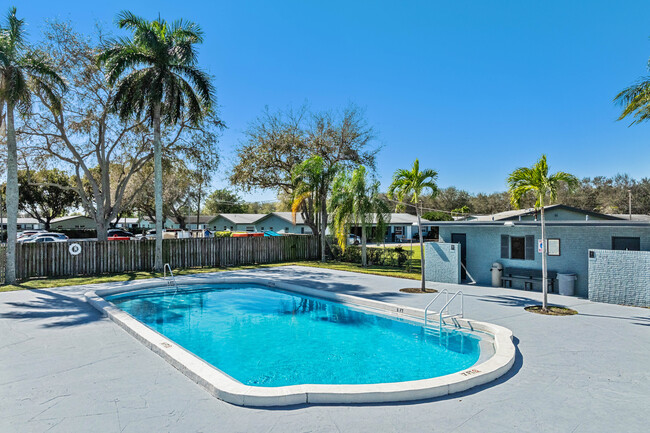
x: 472, y: 88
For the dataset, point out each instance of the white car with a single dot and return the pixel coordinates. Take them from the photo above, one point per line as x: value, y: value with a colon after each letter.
x: 59, y: 236
x: 43, y: 239
x: 27, y: 233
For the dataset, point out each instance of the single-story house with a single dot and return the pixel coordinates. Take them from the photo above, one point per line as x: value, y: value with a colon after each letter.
x: 73, y: 222
x: 556, y: 212
x: 23, y: 224
x: 128, y: 223
x: 402, y: 227
x: 236, y: 222
x: 514, y: 244
x: 282, y: 222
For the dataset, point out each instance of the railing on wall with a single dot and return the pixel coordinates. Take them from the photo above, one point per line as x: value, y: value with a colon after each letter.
x: 106, y: 257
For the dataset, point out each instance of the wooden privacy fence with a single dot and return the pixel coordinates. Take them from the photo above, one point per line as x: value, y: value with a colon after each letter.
x: 55, y: 259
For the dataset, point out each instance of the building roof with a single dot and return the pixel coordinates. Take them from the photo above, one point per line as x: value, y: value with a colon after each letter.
x: 406, y: 218
x: 127, y: 220
x: 567, y: 223
x: 286, y: 216
x: 240, y: 218
x: 515, y: 214
x: 21, y: 221
x: 635, y: 217
x: 191, y: 219
x: 70, y: 217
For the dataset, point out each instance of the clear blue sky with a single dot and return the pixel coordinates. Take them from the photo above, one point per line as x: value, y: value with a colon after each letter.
x: 472, y: 88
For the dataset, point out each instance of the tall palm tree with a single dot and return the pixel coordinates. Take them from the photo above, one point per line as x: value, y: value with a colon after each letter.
x: 312, y: 179
x: 543, y: 187
x: 411, y: 185
x: 156, y: 75
x: 23, y: 72
x: 356, y: 202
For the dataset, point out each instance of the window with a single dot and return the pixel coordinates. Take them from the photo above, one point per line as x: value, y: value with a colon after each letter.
x: 518, y: 247
x: 250, y: 228
x: 286, y: 229
x: 626, y: 243
x: 398, y: 230
x: 262, y: 228
x: 553, y: 246
x: 302, y: 230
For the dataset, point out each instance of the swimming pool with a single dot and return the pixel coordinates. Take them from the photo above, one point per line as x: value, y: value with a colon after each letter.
x: 259, y: 342
x: 266, y: 337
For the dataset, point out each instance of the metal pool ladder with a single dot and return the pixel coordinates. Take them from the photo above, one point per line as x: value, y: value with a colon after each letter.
x: 448, y: 301
x: 172, y: 280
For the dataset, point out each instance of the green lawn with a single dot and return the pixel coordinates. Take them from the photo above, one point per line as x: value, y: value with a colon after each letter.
x: 415, y: 258
x: 351, y: 267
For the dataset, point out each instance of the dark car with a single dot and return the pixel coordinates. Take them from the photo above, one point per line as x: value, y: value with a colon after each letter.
x: 119, y: 233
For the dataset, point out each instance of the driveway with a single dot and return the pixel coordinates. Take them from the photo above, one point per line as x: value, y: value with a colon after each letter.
x: 65, y: 368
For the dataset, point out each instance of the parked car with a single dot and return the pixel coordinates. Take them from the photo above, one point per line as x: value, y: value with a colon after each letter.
x: 151, y: 235
x: 43, y: 239
x: 353, y: 239
x: 30, y: 238
x: 27, y: 233
x: 120, y: 235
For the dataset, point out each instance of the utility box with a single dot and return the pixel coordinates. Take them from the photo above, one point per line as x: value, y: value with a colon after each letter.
x: 497, y: 273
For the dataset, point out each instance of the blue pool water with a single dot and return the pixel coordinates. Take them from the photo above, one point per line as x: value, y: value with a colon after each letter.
x: 267, y: 337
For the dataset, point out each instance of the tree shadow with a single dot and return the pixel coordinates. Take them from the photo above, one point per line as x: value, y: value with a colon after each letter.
x: 642, y: 321
x: 509, y: 300
x: 62, y: 310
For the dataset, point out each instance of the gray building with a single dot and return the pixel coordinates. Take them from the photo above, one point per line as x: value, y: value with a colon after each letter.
x: 515, y: 244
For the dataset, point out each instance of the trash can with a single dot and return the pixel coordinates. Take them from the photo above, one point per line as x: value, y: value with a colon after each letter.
x: 497, y: 273
x: 567, y: 284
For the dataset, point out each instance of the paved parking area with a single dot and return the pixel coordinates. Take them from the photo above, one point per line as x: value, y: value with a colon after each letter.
x: 65, y: 368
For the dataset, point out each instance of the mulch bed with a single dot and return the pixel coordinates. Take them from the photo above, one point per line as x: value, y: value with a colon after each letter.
x: 551, y: 310
x: 418, y: 290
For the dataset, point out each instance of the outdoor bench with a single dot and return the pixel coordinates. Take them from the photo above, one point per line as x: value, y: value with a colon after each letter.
x: 528, y: 276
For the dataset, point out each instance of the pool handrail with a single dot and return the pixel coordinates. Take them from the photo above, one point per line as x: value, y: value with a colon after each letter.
x: 461, y: 314
x: 426, y: 309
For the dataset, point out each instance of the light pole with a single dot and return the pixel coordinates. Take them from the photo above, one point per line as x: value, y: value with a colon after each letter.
x: 629, y: 203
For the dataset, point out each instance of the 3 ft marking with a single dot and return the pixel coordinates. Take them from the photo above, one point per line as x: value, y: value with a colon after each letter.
x: 400, y: 310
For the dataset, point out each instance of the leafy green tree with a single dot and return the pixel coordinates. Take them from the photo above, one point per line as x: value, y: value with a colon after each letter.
x: 157, y: 77
x: 356, y: 202
x: 23, y: 71
x: 411, y: 185
x: 312, y: 179
x: 277, y: 142
x: 435, y: 215
x: 46, y: 194
x: 224, y: 201
x: 535, y: 181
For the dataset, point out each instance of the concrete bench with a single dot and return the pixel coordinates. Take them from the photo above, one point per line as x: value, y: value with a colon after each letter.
x: 528, y: 276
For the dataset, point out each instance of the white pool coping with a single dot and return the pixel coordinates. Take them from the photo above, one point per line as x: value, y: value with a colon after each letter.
x: 232, y: 391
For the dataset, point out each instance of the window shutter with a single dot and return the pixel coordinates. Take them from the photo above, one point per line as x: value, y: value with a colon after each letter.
x: 505, y: 246
x: 530, y: 247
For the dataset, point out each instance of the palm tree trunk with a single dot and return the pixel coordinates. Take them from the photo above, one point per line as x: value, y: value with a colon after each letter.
x: 544, y: 270
x: 417, y: 211
x: 323, y: 228
x: 363, y: 246
x: 12, y: 197
x: 158, y: 187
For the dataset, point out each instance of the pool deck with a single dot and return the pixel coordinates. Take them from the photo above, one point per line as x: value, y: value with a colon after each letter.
x: 65, y: 368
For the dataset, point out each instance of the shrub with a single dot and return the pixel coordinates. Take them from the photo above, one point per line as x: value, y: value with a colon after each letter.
x: 222, y: 234
x: 395, y: 257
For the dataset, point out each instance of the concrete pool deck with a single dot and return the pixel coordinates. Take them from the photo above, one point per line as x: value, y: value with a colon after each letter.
x: 64, y: 367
